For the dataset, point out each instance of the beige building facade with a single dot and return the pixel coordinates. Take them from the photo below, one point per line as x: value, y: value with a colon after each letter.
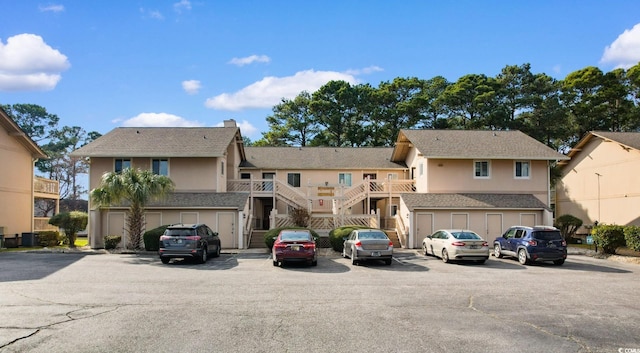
x: 19, y: 188
x: 601, y: 181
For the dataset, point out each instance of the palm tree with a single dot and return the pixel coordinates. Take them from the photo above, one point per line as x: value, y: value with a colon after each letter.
x: 137, y: 187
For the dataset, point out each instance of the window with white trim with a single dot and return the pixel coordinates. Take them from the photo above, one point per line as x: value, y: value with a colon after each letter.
x: 160, y: 166
x: 121, y: 164
x: 522, y: 169
x: 481, y: 169
x: 293, y: 179
x: 344, y: 178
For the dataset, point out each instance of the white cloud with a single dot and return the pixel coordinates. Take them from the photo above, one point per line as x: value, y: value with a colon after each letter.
x: 270, y: 90
x: 182, y: 5
x: 624, y: 52
x: 191, y: 86
x: 27, y: 63
x: 159, y: 120
x: 365, y: 71
x: 155, y: 14
x: 51, y: 8
x: 250, y: 60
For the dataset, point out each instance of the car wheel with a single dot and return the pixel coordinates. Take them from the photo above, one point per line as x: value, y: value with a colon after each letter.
x: 354, y: 261
x: 314, y: 263
x: 165, y: 260
x: 424, y: 249
x: 217, y: 254
x: 522, y: 257
x: 387, y: 262
x: 204, y: 256
x: 445, y: 256
x: 558, y: 262
x: 275, y: 263
x: 497, y: 252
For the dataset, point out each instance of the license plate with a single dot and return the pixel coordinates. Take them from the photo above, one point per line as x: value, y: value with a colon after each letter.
x: 375, y: 253
x: 552, y: 245
x: 473, y: 246
x: 295, y: 248
x: 177, y: 241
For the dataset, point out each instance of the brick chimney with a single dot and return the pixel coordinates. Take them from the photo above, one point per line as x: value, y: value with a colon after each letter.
x: 230, y: 123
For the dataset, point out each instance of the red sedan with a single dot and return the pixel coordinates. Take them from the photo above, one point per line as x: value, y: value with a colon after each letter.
x: 294, y: 245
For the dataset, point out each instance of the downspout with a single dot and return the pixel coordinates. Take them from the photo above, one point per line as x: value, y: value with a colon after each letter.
x: 33, y: 193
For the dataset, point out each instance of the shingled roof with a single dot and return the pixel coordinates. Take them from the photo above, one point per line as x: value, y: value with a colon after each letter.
x: 15, y: 131
x: 208, y: 200
x: 471, y: 200
x: 320, y: 158
x: 627, y: 139
x: 161, y: 142
x: 473, y: 144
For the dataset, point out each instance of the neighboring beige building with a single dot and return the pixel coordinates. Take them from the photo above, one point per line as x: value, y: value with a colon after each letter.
x: 601, y: 182
x: 198, y: 160
x: 481, y: 180
x: 19, y: 188
x: 485, y: 181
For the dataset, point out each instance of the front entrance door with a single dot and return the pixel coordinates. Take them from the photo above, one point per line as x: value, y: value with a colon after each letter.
x: 227, y: 230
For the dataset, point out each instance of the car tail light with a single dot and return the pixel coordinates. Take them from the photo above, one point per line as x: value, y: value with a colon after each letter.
x: 164, y: 237
x: 564, y: 243
x: 532, y: 243
x: 280, y: 246
x: 359, y: 244
x: 195, y: 238
x: 458, y: 243
x: 309, y: 245
x: 390, y: 244
x: 485, y: 244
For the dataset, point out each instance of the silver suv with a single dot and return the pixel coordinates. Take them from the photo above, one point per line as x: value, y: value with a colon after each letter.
x: 188, y: 241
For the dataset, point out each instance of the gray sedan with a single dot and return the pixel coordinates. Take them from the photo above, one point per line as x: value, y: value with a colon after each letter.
x: 368, y: 244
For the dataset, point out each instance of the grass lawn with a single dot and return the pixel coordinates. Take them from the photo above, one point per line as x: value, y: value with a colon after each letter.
x: 80, y: 242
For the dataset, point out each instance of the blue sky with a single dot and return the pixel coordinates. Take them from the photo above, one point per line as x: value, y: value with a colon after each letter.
x: 105, y: 64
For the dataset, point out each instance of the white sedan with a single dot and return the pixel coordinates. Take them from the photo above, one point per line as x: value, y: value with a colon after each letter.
x: 456, y: 244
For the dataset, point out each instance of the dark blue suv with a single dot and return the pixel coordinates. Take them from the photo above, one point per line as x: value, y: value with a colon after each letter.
x: 531, y: 244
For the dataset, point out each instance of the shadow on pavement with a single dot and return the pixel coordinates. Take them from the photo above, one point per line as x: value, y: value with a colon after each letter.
x: 26, y: 266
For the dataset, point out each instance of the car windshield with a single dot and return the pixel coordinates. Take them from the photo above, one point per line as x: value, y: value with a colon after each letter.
x: 547, y: 235
x: 179, y: 232
x: 371, y: 235
x: 465, y: 235
x: 289, y: 236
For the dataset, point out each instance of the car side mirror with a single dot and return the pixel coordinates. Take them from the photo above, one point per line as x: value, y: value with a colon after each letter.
x: 428, y: 236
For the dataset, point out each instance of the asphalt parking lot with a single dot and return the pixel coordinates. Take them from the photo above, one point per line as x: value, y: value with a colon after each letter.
x: 240, y: 302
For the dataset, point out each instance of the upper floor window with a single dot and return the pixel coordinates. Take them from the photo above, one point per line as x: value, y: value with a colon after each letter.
x: 245, y: 175
x: 344, y: 178
x: 420, y: 169
x: 293, y: 179
x: 121, y: 164
x: 522, y: 169
x: 160, y: 166
x: 481, y: 169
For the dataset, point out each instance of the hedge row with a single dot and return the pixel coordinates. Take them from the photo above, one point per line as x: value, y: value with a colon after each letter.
x: 610, y: 237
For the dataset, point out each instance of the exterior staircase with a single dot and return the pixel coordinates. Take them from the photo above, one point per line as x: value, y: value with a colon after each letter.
x: 257, y: 240
x: 393, y: 236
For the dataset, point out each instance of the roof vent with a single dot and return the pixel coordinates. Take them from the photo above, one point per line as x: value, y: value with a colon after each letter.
x: 137, y: 131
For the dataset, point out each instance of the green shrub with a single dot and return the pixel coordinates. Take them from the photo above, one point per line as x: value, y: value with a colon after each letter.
x: 72, y: 222
x: 336, y: 236
x: 271, y: 235
x: 111, y: 241
x: 152, y: 238
x: 568, y: 225
x: 49, y: 238
x: 608, y: 237
x: 632, y: 237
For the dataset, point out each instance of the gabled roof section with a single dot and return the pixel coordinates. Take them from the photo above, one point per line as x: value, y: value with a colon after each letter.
x: 471, y: 200
x: 162, y: 142
x: 14, y: 130
x: 472, y: 144
x: 320, y: 158
x: 625, y: 139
